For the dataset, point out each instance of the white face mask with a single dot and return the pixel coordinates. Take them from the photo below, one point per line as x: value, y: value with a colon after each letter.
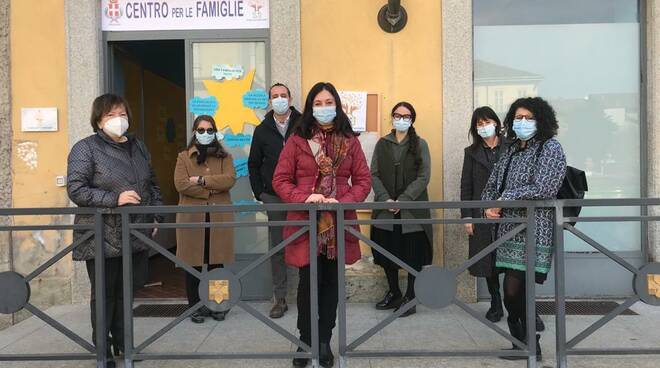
x: 116, y: 126
x: 486, y: 131
x: 280, y: 105
x: 401, y: 125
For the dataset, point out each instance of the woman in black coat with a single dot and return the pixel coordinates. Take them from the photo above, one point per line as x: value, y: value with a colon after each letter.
x: 110, y: 169
x: 480, y: 158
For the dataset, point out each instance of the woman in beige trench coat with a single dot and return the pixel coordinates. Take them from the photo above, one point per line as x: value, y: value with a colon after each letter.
x: 204, y: 174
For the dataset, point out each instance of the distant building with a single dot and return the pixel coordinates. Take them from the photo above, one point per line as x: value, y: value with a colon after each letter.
x: 497, y: 86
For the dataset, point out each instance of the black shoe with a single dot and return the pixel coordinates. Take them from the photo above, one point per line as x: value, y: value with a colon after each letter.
x: 410, y: 311
x: 390, y: 301
x: 278, y: 309
x: 517, y: 330
x: 197, y: 317
x: 300, y: 362
x: 119, y: 352
x: 110, y: 363
x: 495, y: 313
x: 539, y: 353
x: 326, y: 359
x: 540, y: 326
x: 218, y: 316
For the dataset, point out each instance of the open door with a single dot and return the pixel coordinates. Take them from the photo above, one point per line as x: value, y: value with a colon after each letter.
x: 227, y: 71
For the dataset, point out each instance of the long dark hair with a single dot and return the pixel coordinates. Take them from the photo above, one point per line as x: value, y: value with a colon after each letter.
x: 483, y: 113
x: 306, y: 126
x: 413, y: 138
x: 220, y: 151
x: 544, y: 114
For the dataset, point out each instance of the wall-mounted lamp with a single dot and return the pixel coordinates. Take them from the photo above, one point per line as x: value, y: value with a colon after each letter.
x: 392, y: 17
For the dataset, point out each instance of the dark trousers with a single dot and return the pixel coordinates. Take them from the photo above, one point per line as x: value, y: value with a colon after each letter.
x: 328, y: 299
x: 515, y: 297
x: 277, y: 265
x: 192, y: 282
x: 192, y: 285
x: 113, y: 303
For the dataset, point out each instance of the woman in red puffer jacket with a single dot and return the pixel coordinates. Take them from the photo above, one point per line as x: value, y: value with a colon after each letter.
x: 315, y: 166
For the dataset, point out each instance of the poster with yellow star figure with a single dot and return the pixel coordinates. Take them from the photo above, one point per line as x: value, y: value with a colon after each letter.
x: 231, y: 111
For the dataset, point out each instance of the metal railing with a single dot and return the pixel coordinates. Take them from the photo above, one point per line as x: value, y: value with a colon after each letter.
x: 566, y: 348
x: 435, y: 286
x: 15, y: 288
x: 133, y: 353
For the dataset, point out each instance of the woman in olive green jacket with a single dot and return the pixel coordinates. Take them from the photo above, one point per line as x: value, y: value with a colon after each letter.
x: 400, y: 172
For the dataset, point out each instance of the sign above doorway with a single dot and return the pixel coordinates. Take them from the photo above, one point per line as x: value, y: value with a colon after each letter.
x: 150, y: 15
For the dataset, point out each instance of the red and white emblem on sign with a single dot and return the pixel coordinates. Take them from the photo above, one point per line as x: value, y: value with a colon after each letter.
x: 256, y: 6
x: 112, y: 11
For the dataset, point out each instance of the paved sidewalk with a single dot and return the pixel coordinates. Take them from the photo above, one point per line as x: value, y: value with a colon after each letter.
x: 446, y: 329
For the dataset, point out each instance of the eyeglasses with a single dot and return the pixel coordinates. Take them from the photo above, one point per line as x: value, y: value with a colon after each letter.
x: 404, y: 117
x: 208, y: 130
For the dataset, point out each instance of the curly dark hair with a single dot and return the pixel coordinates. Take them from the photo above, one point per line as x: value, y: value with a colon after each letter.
x: 306, y: 125
x: 483, y: 113
x: 544, y: 114
x: 413, y: 148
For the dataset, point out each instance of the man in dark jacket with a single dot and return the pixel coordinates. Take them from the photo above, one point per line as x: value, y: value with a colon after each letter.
x: 267, y: 143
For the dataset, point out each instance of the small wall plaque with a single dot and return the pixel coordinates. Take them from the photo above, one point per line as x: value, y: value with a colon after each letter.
x: 39, y: 119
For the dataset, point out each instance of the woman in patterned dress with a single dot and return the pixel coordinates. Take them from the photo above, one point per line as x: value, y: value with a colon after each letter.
x: 533, y: 168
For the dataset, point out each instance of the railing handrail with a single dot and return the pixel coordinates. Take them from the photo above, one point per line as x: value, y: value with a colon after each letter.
x: 257, y: 207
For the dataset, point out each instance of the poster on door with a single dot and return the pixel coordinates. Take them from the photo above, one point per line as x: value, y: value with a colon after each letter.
x: 150, y: 15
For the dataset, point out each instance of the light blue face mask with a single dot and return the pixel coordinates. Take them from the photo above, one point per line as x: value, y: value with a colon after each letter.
x: 325, y: 115
x: 205, y: 138
x: 280, y: 105
x: 401, y: 125
x: 524, y: 129
x: 486, y: 131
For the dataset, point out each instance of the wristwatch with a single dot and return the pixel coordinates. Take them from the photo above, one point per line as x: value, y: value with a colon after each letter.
x: 200, y: 180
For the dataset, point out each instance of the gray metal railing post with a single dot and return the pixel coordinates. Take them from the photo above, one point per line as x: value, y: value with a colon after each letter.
x: 560, y: 291
x: 341, y: 280
x: 99, y: 282
x: 530, y: 286
x: 313, y: 287
x: 127, y: 279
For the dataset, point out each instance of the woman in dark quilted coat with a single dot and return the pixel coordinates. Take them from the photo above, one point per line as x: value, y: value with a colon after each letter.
x: 110, y: 169
x: 322, y: 162
x: 478, y: 162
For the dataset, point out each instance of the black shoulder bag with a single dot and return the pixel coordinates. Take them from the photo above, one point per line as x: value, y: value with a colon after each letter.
x: 574, y: 186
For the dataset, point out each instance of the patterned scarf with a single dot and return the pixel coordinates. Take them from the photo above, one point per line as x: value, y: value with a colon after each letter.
x: 331, y: 152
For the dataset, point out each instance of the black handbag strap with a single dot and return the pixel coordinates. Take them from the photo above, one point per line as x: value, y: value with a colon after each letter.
x: 500, y: 189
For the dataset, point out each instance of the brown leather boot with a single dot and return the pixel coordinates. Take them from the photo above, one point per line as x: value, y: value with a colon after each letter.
x: 279, y: 308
